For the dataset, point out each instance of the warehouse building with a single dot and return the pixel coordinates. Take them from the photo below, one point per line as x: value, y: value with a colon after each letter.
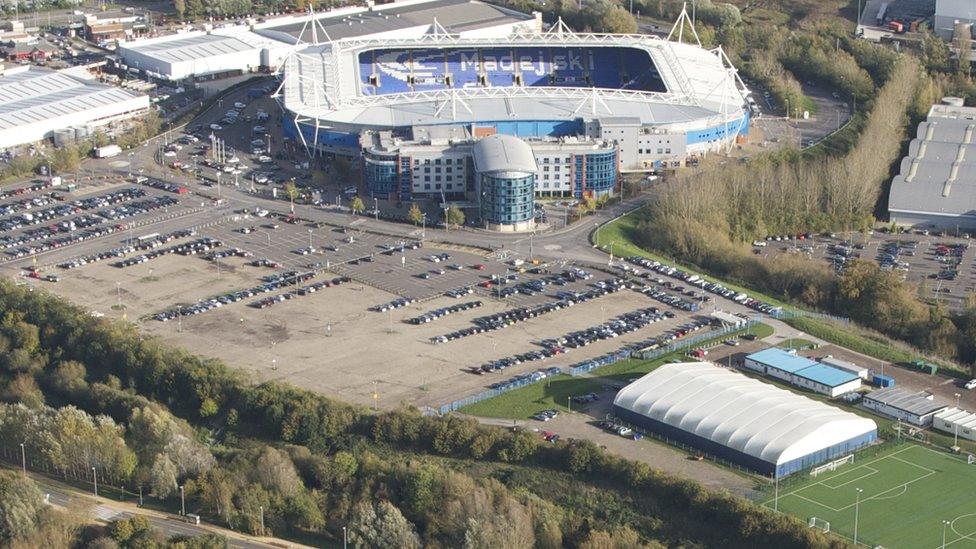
x: 36, y: 102
x: 936, y: 186
x: 956, y: 422
x: 740, y: 419
x: 803, y: 372
x: 859, y: 371
x: 914, y: 408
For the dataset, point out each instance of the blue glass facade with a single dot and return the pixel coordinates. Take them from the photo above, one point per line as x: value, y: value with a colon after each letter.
x: 380, y: 173
x: 595, y: 173
x: 507, y: 200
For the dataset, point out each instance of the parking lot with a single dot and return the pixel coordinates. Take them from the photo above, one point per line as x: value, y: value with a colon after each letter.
x: 942, y: 265
x: 40, y: 217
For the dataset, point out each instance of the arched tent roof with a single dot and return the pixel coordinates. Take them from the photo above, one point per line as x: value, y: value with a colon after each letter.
x: 747, y: 415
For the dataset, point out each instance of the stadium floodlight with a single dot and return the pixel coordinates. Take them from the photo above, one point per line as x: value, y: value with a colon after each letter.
x: 857, y: 503
x: 945, y: 524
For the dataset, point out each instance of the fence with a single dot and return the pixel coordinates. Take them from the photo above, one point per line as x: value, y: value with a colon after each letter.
x: 783, y: 315
x: 594, y: 363
x: 694, y: 341
x: 490, y: 393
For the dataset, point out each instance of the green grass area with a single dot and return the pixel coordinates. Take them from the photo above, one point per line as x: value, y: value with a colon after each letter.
x: 907, y: 491
x: 524, y: 402
x: 622, y: 234
x: 869, y: 343
x: 796, y: 343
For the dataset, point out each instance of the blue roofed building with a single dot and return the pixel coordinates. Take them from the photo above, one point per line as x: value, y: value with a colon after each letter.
x: 803, y: 372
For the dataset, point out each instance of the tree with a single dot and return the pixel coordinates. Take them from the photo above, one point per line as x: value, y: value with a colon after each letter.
x: 162, y: 476
x: 415, y: 215
x: 276, y: 472
x: 357, y: 205
x: 20, y: 505
x: 180, y: 7
x: 455, y: 216
x: 381, y: 527
x: 291, y: 191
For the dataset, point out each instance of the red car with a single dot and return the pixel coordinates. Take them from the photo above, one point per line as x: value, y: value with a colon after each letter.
x: 479, y: 267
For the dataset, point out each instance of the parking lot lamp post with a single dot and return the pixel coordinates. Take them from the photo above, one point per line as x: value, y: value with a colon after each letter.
x: 945, y: 524
x: 344, y: 538
x: 955, y: 439
x: 310, y: 240
x: 857, y: 504
x: 95, y: 479
x: 569, y: 404
x: 376, y: 208
x: 596, y: 238
x: 182, y: 501
x: 423, y: 230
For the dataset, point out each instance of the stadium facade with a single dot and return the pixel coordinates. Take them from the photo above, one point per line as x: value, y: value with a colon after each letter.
x: 589, y: 106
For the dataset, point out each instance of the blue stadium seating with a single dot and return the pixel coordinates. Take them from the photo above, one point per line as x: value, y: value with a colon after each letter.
x: 387, y: 71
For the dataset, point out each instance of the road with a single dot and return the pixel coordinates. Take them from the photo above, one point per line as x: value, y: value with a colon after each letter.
x: 104, y: 510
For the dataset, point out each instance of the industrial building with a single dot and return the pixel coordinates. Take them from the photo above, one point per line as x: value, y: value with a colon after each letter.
x: 803, y: 372
x: 915, y: 408
x: 217, y: 52
x: 262, y: 45
x: 35, y: 103
x: 936, y: 186
x: 740, y: 419
x: 950, y: 14
x: 956, y: 422
x: 859, y: 371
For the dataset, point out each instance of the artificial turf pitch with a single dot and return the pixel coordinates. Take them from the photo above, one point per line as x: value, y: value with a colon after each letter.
x: 907, y: 492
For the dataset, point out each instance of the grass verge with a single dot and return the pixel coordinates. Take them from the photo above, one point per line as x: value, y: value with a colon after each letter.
x: 620, y: 235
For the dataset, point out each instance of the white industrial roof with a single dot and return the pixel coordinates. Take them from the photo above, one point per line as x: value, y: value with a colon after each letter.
x: 195, y: 46
x: 504, y: 153
x: 740, y: 412
x: 955, y: 416
x: 36, y: 94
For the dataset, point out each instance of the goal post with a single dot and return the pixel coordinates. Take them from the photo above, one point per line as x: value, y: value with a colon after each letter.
x: 819, y: 524
x: 970, y: 459
x: 831, y: 466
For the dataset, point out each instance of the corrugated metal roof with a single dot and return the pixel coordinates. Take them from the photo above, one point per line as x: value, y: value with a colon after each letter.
x: 939, y: 174
x: 955, y: 416
x: 200, y: 46
x: 826, y: 375
x: 913, y: 403
x: 726, y: 407
x: 781, y: 360
x: 39, y: 94
x: 453, y: 15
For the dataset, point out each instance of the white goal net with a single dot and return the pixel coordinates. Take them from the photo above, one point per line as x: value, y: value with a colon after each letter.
x: 819, y: 524
x: 970, y: 459
x: 833, y: 465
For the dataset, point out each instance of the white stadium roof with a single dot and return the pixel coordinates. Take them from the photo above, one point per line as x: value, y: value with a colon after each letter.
x: 504, y: 153
x: 323, y: 82
x: 739, y: 412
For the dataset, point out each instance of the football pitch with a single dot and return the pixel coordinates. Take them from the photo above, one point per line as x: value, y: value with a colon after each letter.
x: 906, y: 494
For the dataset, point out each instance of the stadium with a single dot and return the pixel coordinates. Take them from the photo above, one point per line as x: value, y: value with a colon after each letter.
x: 586, y: 106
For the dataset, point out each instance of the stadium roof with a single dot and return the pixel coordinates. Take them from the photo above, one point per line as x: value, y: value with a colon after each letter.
x: 913, y: 403
x: 939, y: 174
x: 826, y: 375
x: 453, y: 15
x: 781, y: 360
x: 504, y: 153
x: 34, y: 95
x: 175, y: 49
x: 728, y: 408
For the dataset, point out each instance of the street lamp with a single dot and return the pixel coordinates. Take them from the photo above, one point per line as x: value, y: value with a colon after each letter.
x: 344, y: 538
x: 182, y: 501
x: 423, y: 230
x: 95, y: 479
x: 857, y: 503
x: 955, y: 425
x: 376, y: 208
x: 23, y: 458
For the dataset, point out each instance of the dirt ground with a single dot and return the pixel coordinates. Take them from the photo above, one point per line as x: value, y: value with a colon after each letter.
x: 328, y: 341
